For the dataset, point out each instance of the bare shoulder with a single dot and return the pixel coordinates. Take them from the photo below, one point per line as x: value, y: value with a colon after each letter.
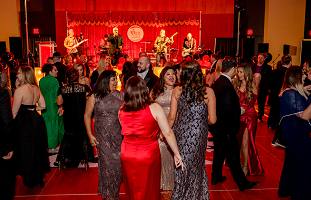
x: 154, y: 106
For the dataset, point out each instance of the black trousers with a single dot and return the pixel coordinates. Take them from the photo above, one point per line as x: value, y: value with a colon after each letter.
x: 158, y: 58
x: 274, y: 114
x: 227, y: 147
x: 7, y: 176
x: 261, y: 99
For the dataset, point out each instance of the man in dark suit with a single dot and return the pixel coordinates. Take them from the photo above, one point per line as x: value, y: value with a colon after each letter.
x: 61, y: 68
x: 7, y: 174
x: 116, y: 41
x: 224, y: 131
x: 274, y: 84
x: 145, y: 72
x: 214, y: 59
x: 264, y: 69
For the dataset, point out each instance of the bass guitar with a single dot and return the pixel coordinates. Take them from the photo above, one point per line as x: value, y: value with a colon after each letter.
x: 161, y: 47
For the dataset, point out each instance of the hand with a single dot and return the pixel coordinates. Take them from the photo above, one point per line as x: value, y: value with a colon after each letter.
x: 60, y: 111
x: 178, y: 161
x: 161, y: 136
x: 9, y: 156
x: 93, y: 141
x: 242, y: 111
x: 120, y: 47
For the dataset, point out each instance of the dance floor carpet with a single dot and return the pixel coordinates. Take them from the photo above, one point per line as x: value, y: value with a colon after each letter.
x: 79, y: 183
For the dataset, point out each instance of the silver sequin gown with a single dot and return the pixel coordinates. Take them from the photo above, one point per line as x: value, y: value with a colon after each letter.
x: 167, y: 170
x: 191, y: 130
x: 107, y: 130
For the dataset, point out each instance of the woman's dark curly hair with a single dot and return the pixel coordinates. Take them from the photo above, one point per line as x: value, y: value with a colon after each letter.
x: 192, y: 82
x: 101, y: 88
x: 72, y: 75
x: 158, y: 89
x: 46, y: 68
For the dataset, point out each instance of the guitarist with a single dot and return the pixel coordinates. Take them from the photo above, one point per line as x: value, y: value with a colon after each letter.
x: 188, y: 45
x: 161, y: 45
x: 69, y: 42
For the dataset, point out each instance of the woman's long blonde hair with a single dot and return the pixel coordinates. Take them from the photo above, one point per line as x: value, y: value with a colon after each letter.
x: 27, y: 76
x: 248, y: 77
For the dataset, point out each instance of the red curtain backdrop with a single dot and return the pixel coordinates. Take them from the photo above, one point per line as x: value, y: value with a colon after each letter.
x: 94, y: 25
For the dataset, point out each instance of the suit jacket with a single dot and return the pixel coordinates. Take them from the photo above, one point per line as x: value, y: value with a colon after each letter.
x: 6, y: 121
x: 265, y: 73
x: 213, y: 67
x: 228, y: 109
x: 151, y: 79
x: 274, y: 84
x: 61, y: 68
x: 115, y: 42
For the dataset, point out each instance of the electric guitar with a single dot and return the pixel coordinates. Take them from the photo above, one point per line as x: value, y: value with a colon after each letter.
x: 161, y: 47
x: 187, y: 52
x: 69, y: 51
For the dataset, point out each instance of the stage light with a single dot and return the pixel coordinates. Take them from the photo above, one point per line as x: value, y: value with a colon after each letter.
x: 157, y: 70
x: 310, y: 33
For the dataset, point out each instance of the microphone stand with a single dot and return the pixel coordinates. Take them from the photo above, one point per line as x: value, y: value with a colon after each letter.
x: 275, y: 60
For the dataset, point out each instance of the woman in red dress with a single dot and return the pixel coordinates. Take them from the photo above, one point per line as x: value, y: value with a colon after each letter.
x: 141, y: 120
x: 246, y: 85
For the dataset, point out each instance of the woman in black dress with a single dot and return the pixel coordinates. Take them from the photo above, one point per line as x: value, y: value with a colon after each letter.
x: 31, y: 136
x: 75, y: 147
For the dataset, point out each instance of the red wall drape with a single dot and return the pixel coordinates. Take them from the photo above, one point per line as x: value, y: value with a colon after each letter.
x: 94, y: 25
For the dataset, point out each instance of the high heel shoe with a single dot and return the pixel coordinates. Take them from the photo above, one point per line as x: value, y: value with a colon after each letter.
x: 245, y: 170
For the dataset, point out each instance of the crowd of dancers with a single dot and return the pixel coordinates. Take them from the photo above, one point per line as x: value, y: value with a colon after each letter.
x: 152, y: 135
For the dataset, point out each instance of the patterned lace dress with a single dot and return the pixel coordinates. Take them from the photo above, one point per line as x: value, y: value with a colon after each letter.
x: 167, y: 169
x: 107, y: 130
x: 191, y: 130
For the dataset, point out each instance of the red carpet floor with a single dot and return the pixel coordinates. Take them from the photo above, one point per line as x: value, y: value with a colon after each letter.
x: 78, y: 184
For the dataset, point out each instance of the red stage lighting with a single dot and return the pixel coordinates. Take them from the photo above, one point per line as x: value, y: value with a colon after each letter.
x: 250, y: 32
x: 35, y: 31
x: 310, y: 33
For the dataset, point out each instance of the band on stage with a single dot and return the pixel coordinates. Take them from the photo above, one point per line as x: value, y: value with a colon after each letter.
x: 113, y: 45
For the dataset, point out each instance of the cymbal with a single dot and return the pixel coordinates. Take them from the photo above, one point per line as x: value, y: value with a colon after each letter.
x: 150, y: 41
x: 145, y: 42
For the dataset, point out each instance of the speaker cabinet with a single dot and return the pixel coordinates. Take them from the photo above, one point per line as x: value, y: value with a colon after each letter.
x: 305, y: 51
x: 263, y: 48
x: 16, y: 47
x: 2, y: 47
x: 247, y: 49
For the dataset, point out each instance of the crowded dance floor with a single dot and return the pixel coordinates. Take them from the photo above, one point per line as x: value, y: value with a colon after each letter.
x: 163, y: 100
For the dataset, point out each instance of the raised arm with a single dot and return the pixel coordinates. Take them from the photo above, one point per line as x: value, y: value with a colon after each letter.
x: 159, y: 115
x: 88, y: 119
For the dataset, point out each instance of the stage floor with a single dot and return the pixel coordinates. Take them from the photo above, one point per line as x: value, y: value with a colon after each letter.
x: 79, y: 183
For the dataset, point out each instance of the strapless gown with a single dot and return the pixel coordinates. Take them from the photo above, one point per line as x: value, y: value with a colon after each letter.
x: 249, y: 121
x: 31, y: 149
x: 140, y: 155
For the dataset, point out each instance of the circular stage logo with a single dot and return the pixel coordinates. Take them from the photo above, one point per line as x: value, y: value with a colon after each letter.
x: 135, y: 33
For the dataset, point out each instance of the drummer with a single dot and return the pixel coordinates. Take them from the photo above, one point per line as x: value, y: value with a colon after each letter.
x: 104, y: 44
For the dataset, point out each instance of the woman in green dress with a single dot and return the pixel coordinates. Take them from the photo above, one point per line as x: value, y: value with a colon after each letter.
x: 52, y: 115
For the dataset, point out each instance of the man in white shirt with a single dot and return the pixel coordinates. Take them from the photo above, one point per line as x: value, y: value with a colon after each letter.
x: 146, y: 72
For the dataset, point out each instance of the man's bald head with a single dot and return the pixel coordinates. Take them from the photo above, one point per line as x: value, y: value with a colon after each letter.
x: 143, y: 64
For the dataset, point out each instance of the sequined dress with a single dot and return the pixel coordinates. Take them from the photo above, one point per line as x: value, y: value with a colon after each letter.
x: 108, y: 133
x: 167, y: 169
x: 191, y: 130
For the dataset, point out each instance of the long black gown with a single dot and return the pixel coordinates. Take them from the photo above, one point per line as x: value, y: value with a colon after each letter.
x: 31, y: 150
x: 75, y: 146
x: 295, y: 180
x: 191, y: 130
